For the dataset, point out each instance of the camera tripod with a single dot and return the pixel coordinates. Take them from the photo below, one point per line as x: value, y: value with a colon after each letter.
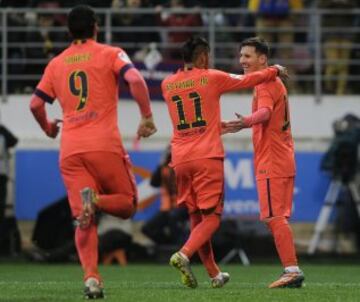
x: 330, y: 200
x: 236, y: 252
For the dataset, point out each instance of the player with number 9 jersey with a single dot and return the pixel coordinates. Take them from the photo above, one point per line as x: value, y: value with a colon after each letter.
x: 84, y: 79
x: 94, y: 165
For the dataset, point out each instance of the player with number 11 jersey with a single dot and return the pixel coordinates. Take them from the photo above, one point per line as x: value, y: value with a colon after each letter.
x: 192, y: 95
x: 193, y: 100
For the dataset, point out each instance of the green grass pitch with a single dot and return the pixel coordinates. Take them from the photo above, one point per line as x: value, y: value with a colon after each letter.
x: 23, y: 282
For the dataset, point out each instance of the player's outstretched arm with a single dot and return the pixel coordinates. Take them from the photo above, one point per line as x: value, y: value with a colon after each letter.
x: 258, y: 117
x: 268, y: 74
x: 233, y: 82
x: 140, y: 93
x: 37, y: 107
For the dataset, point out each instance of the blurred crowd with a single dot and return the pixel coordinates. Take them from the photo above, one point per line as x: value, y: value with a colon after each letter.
x: 35, y: 38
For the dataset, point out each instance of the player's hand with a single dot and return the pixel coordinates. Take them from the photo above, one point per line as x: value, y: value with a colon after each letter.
x: 232, y: 126
x: 53, y: 128
x: 282, y: 72
x: 241, y: 121
x: 147, y: 127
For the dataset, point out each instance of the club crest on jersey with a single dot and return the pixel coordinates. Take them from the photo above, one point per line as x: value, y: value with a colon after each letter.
x: 236, y: 76
x: 124, y: 57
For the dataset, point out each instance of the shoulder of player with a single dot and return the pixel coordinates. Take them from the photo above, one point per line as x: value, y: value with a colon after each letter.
x: 213, y: 75
x: 167, y: 79
x: 57, y: 60
x: 219, y: 74
x: 170, y: 77
x: 273, y: 88
x: 214, y: 72
x: 109, y: 49
x: 274, y: 85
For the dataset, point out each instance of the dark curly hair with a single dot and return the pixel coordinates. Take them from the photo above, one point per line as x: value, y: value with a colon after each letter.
x: 81, y: 22
x: 193, y: 47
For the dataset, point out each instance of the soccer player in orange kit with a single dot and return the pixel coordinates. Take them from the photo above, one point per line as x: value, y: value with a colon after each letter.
x: 274, y: 158
x: 94, y: 164
x: 192, y: 95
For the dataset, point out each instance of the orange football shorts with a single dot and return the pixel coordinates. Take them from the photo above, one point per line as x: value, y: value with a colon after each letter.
x: 200, y: 184
x: 275, y: 196
x: 105, y: 172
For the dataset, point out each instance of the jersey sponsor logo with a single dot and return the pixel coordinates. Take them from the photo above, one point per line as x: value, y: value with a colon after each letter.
x: 87, y: 116
x: 236, y: 76
x: 124, y: 57
x: 193, y: 131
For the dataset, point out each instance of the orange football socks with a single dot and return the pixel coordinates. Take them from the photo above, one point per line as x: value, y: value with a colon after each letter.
x: 86, y: 241
x: 284, y: 241
x: 201, y: 233
x: 205, y: 252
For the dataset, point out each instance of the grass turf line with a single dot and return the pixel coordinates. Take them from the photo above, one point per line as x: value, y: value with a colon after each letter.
x: 23, y: 282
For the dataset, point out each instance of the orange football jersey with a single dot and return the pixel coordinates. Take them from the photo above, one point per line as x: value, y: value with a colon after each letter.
x: 192, y: 97
x: 84, y: 79
x: 273, y: 142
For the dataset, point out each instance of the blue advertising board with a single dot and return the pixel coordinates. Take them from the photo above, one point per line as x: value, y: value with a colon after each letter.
x: 39, y: 183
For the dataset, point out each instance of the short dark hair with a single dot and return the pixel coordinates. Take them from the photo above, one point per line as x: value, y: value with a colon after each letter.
x: 193, y: 47
x: 81, y: 22
x: 260, y: 44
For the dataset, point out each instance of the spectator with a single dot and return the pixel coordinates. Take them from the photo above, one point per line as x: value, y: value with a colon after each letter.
x: 215, y: 3
x: 16, y: 52
x: 337, y: 44
x: 175, y: 20
x: 47, y: 47
x: 167, y: 226
x: 115, y: 238
x: 7, y: 141
x: 133, y: 20
x: 54, y: 244
x: 273, y: 15
x: 72, y: 3
x: 12, y: 3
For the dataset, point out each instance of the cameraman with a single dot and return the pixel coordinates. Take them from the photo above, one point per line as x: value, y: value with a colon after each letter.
x: 341, y: 159
x: 7, y: 141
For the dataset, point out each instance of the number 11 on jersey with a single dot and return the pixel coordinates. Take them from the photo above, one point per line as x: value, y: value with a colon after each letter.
x: 199, y: 121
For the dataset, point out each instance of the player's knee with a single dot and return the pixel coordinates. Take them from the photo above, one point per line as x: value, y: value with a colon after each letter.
x: 130, y: 212
x: 210, y: 214
x: 275, y: 222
